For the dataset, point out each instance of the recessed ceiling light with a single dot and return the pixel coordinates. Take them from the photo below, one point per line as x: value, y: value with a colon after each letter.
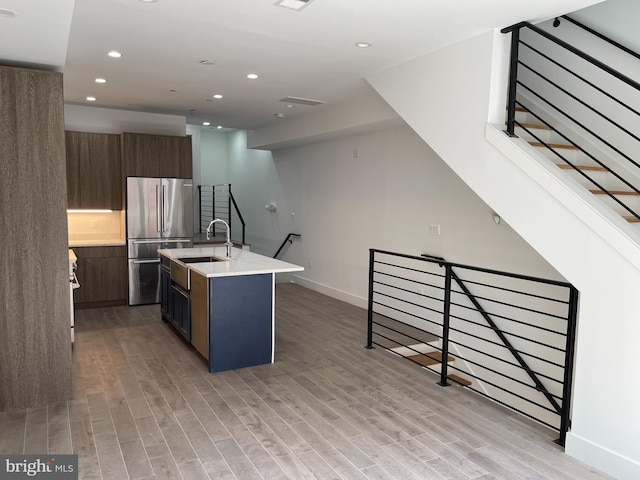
x: 114, y: 54
x: 206, y: 124
x: 363, y: 44
x: 252, y: 76
x: 279, y: 115
x: 173, y: 90
x: 91, y: 99
x: 207, y: 62
x: 219, y: 127
x: 101, y: 80
x: 5, y: 12
x: 293, y: 4
x: 217, y: 95
x: 148, y: 1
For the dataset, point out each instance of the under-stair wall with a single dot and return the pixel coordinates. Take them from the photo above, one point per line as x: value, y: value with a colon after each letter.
x: 454, y: 99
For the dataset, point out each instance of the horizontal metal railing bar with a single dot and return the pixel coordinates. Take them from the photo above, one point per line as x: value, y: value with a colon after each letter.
x: 507, y: 304
x: 521, y: 352
x: 406, y: 325
x: 488, y: 382
x: 509, y: 319
x: 411, y: 280
x: 530, y: 355
x: 551, y: 347
x: 423, y: 354
x: 580, y: 77
x: 500, y: 374
x: 421, y: 295
x: 402, y: 267
x: 504, y: 404
x: 404, y: 335
x: 511, y: 290
x: 602, y: 37
x: 517, y: 365
x: 580, y: 101
x: 404, y: 312
x: 581, y: 125
x: 499, y: 273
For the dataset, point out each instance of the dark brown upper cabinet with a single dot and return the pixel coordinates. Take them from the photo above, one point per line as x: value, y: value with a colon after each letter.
x: 157, y: 155
x: 94, y: 171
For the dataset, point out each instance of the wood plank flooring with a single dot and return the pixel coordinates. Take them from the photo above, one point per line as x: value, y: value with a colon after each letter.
x: 145, y: 407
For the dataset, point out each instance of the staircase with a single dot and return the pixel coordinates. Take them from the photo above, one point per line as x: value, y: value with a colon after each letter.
x: 590, y: 173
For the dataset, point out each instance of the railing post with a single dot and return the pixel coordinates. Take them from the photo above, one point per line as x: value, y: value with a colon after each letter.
x: 445, y: 326
x: 370, y: 306
x: 200, y: 208
x: 229, y: 210
x: 513, y: 78
x: 565, y: 414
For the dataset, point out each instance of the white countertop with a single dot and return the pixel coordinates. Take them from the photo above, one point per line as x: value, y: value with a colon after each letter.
x: 242, y: 262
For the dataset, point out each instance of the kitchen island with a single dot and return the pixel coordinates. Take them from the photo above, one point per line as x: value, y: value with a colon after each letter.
x: 224, y: 306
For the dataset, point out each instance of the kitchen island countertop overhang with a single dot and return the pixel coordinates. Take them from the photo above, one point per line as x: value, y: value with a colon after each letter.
x: 241, y: 262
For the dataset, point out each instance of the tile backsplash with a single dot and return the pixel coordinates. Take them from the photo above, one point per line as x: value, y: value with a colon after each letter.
x: 96, y: 227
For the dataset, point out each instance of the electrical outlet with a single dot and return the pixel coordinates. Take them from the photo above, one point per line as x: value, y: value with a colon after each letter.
x: 434, y: 229
x: 310, y: 263
x: 94, y: 224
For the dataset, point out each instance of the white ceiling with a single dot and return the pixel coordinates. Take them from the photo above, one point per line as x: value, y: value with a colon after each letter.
x: 308, y: 53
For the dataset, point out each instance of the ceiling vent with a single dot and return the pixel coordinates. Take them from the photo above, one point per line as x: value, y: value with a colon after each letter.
x: 302, y: 101
x: 293, y: 4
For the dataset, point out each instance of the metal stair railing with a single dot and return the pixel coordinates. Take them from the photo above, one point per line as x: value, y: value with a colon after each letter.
x: 414, y: 299
x: 215, y: 201
x: 284, y: 242
x: 541, y: 86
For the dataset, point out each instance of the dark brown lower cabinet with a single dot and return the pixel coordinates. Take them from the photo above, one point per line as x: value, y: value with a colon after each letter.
x: 102, y: 274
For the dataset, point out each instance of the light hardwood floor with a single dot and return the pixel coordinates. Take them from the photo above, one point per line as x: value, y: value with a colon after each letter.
x: 146, y: 407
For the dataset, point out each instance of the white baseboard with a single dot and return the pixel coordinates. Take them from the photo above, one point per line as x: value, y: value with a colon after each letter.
x: 611, y: 463
x: 330, y: 291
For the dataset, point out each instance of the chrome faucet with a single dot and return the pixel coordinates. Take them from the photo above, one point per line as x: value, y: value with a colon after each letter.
x: 228, y: 243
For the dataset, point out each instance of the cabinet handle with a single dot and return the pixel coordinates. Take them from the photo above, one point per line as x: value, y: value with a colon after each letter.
x: 155, y: 260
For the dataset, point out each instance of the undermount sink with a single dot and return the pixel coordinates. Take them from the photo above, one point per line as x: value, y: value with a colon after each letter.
x: 201, y: 259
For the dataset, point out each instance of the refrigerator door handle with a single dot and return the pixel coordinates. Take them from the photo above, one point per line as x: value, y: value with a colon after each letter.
x: 164, y: 210
x: 155, y: 260
x: 158, y: 207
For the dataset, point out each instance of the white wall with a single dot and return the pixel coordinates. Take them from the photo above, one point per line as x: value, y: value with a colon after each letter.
x: 588, y: 250
x: 385, y: 198
x: 213, y: 157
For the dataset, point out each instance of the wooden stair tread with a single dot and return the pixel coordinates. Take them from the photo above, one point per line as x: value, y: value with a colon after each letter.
x: 462, y: 381
x: 592, y: 168
x: 554, y: 145
x: 614, y: 192
x: 433, y: 358
x: 631, y: 219
x: 534, y: 125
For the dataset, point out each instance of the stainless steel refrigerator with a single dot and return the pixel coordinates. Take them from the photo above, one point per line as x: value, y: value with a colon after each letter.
x: 159, y: 215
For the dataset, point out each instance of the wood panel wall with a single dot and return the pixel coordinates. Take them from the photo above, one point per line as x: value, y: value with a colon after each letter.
x: 35, y: 346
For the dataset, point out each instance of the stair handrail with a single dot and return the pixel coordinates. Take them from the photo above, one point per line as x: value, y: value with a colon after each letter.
x: 513, y: 103
x: 284, y: 242
x: 601, y: 36
x: 240, y: 217
x: 515, y: 37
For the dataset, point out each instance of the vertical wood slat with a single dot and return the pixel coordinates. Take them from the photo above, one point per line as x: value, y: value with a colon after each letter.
x: 35, y: 344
